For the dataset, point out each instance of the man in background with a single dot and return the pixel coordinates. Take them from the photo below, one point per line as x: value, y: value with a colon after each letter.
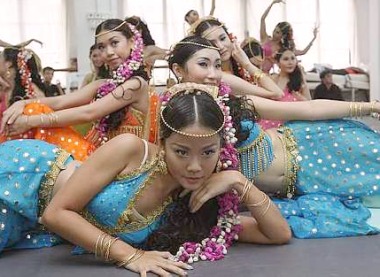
x: 50, y: 89
x: 327, y: 89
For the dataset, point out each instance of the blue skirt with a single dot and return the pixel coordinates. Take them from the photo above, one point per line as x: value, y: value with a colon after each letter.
x: 339, y: 164
x: 26, y: 177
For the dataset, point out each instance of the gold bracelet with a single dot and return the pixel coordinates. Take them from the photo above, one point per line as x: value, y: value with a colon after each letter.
x: 372, y: 108
x: 257, y: 75
x: 108, y: 250
x: 350, y: 113
x: 132, y: 258
x: 260, y: 203
x: 27, y: 120
x: 247, y: 187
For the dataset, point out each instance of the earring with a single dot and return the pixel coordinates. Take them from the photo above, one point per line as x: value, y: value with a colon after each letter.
x: 219, y: 166
x: 161, y: 163
x: 8, y: 74
x: 180, y: 79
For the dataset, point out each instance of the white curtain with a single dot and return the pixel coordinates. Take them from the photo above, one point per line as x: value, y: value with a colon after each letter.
x: 335, y: 45
x: 40, y: 19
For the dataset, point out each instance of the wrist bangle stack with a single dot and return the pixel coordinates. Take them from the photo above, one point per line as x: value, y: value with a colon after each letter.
x: 103, y: 245
x: 132, y: 258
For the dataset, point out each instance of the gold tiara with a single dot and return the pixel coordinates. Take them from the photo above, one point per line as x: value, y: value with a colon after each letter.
x: 109, y: 31
x: 198, y: 44
x: 188, y: 88
x: 213, y: 91
x: 206, y: 135
x: 195, y: 25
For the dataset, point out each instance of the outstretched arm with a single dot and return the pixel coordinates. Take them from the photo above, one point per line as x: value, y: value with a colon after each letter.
x: 313, y: 109
x: 82, y: 97
x: 262, y: 79
x: 125, y: 151
x: 263, y: 29
x: 307, y: 48
x: 132, y: 91
x: 212, y: 8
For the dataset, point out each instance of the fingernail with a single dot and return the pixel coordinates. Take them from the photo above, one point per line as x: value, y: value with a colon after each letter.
x: 189, y: 267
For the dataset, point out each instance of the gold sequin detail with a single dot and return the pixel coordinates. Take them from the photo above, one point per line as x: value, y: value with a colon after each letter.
x: 291, y: 152
x: 126, y: 222
x: 46, y: 189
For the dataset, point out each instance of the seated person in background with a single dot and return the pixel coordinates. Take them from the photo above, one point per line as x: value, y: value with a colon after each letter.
x: 192, y: 15
x: 49, y: 88
x: 98, y: 68
x: 327, y: 89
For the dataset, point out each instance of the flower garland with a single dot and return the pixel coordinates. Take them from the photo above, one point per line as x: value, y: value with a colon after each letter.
x: 23, y: 57
x: 228, y: 225
x: 119, y: 76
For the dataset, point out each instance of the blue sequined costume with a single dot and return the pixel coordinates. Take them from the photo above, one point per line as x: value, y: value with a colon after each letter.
x: 335, y: 163
x: 28, y: 170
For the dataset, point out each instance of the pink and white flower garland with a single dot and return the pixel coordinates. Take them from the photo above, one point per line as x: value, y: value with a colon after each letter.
x: 23, y: 56
x: 119, y: 76
x: 228, y: 224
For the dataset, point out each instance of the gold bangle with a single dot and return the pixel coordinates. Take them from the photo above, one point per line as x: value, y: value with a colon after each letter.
x: 132, y: 258
x: 247, y: 187
x: 372, y: 108
x: 260, y: 203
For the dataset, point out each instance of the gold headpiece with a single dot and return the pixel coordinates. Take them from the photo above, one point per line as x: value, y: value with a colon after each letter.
x: 188, y: 88
x: 198, y: 44
x: 109, y: 31
x: 195, y: 25
x: 193, y: 88
x: 248, y: 41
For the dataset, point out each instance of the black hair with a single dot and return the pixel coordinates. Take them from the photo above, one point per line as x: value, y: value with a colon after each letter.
x: 207, y: 24
x: 143, y: 27
x: 116, y: 118
x: 179, y: 224
x: 181, y: 53
x: 47, y: 68
x: 18, y: 93
x: 253, y: 48
x: 187, y: 14
x: 295, y: 77
x: 103, y: 72
x: 325, y: 72
x: 287, y: 34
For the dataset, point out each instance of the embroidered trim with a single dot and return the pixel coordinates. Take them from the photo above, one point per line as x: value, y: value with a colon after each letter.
x: 290, y: 148
x: 256, y: 157
x: 126, y: 222
x: 45, y: 192
x: 138, y: 130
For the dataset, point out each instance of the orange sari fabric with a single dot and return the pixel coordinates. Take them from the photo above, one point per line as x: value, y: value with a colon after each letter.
x: 135, y: 122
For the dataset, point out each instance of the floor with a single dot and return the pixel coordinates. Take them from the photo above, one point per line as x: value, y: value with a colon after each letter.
x: 348, y: 257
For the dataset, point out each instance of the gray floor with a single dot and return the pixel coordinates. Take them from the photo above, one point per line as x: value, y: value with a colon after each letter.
x: 348, y: 257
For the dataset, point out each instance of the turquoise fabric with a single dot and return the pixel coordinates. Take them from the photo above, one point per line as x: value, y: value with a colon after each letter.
x: 23, y: 165
x: 339, y: 164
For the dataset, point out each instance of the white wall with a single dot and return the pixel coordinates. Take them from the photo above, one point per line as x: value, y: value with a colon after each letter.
x: 373, y: 33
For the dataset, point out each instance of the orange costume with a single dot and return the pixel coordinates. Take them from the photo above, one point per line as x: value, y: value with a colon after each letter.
x: 135, y: 122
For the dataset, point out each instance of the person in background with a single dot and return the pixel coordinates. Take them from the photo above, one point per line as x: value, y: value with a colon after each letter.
x: 98, y: 68
x: 119, y: 105
x: 49, y: 88
x: 282, y: 32
x: 238, y: 71
x: 291, y: 80
x: 192, y: 16
x: 327, y: 89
